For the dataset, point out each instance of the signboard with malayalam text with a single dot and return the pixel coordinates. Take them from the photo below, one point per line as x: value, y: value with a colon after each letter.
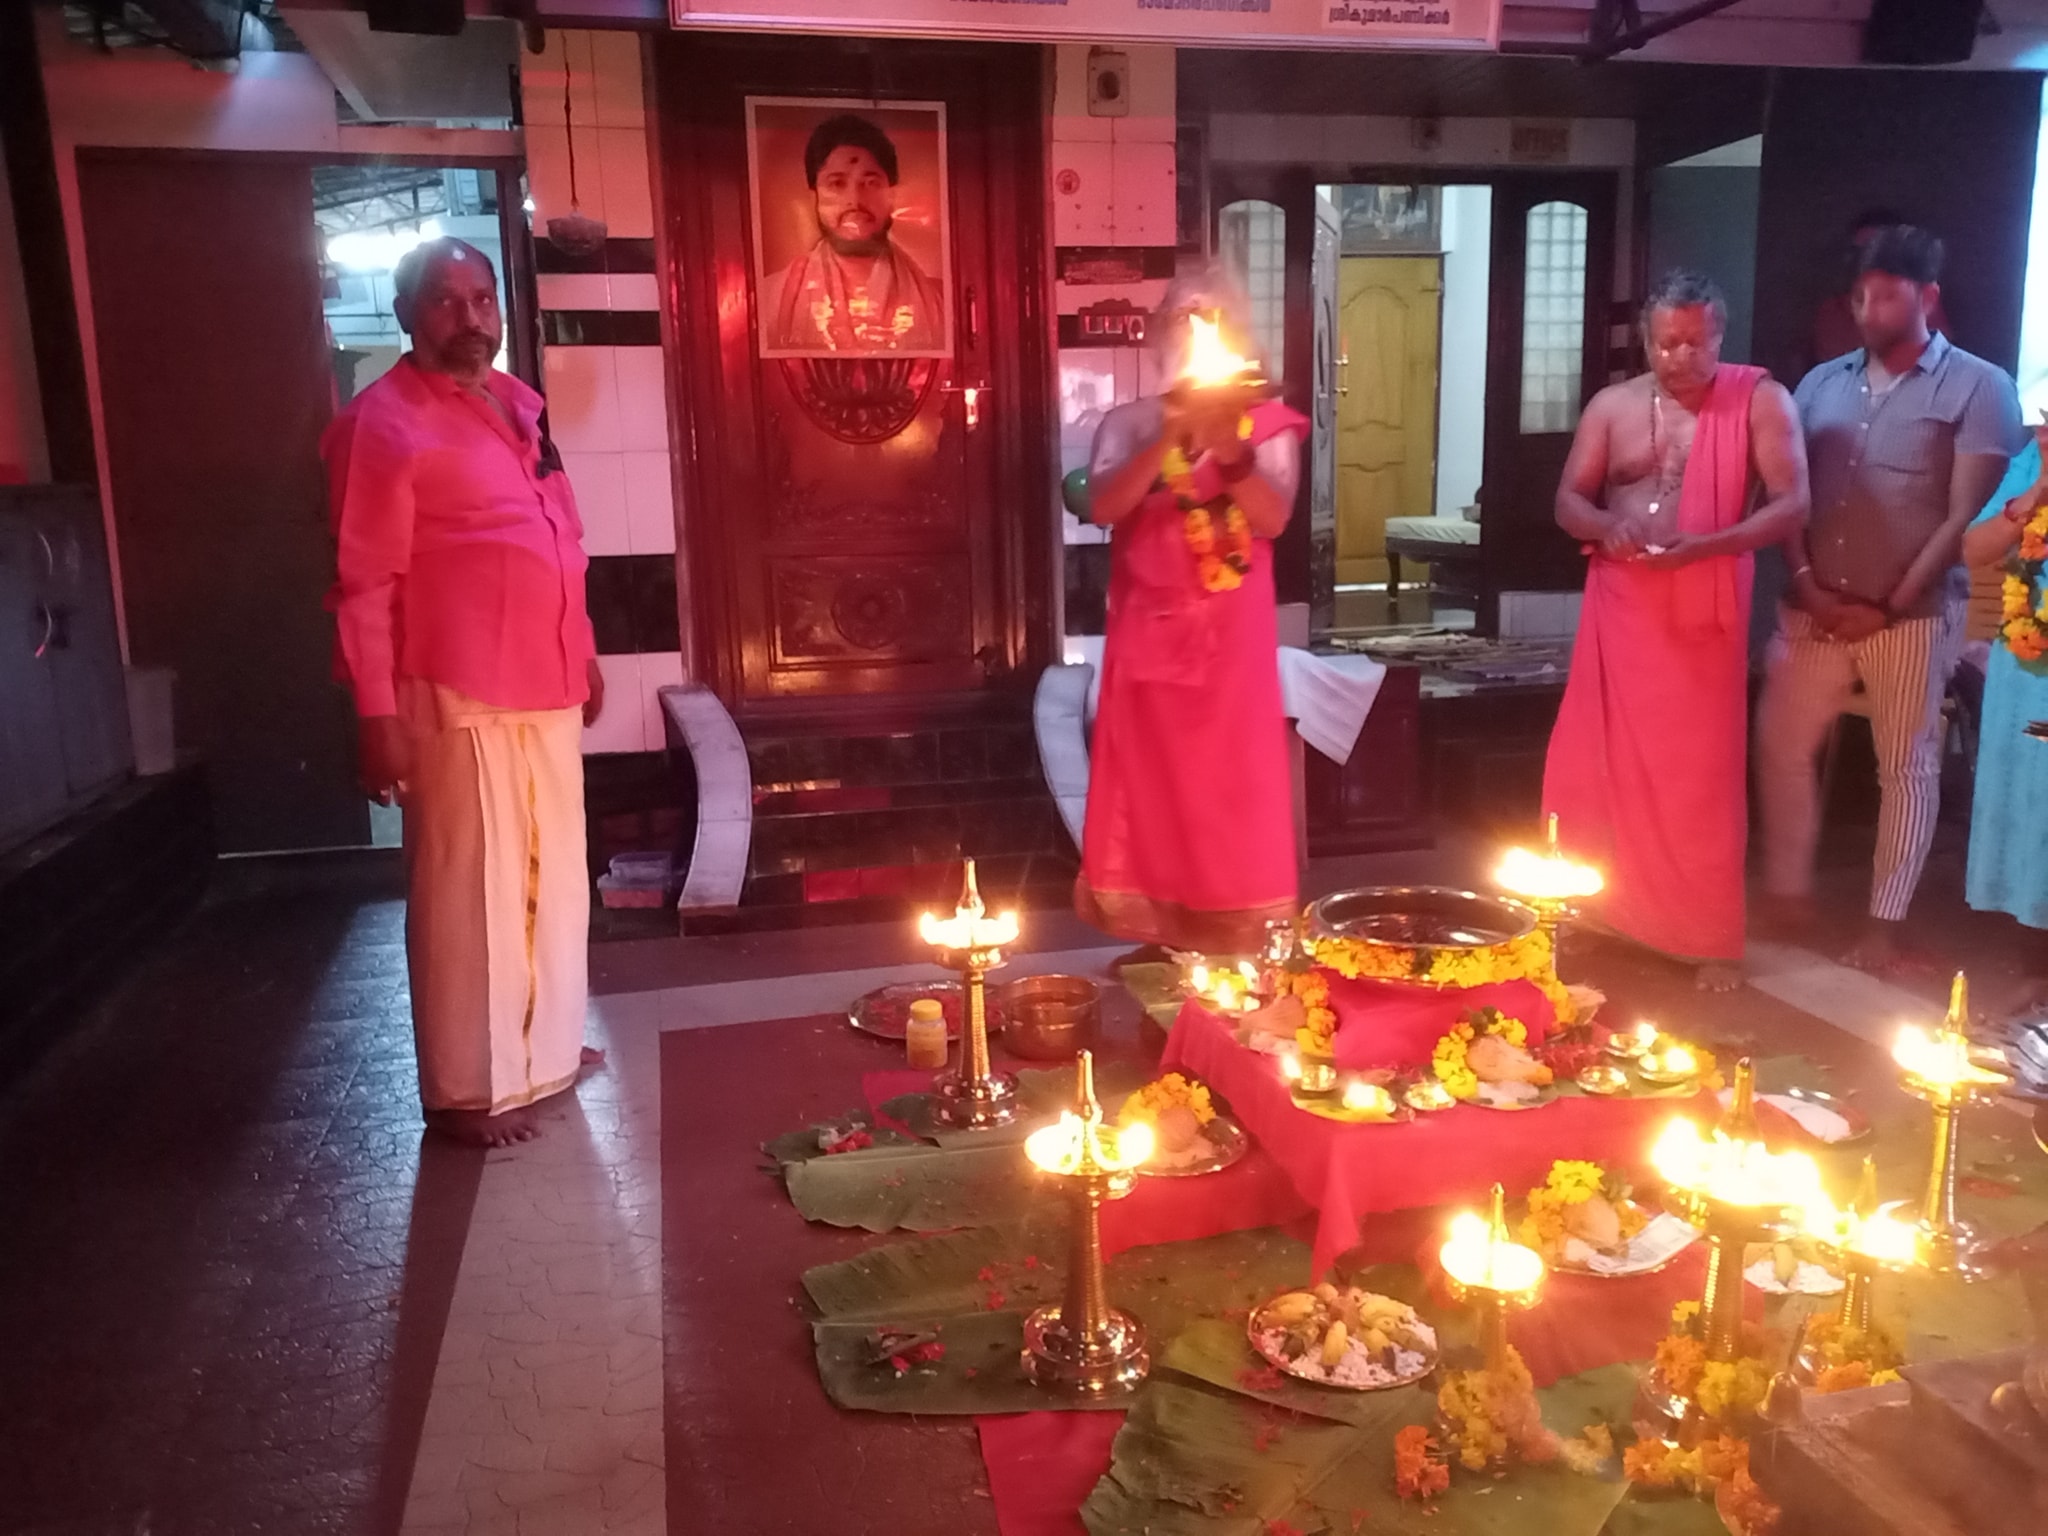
x: 1234, y: 23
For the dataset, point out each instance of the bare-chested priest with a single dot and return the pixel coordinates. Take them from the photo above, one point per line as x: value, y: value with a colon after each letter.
x: 1675, y: 478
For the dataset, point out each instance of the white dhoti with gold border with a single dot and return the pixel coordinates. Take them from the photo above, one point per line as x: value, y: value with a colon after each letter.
x: 497, y: 924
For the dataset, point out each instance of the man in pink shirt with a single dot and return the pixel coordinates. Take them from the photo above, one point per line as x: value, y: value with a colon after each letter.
x: 464, y: 637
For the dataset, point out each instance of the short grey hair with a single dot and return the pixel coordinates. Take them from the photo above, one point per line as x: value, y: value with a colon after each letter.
x: 1684, y: 288
x: 415, y: 264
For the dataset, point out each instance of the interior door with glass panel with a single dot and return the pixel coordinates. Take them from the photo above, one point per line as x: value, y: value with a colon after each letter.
x: 1553, y: 272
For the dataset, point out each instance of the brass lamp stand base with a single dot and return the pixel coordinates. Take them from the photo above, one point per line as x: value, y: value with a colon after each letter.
x: 1112, y: 1359
x: 975, y: 1103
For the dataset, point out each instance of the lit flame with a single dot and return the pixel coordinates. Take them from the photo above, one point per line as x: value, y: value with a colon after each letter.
x: 1744, y: 1173
x: 1479, y: 1257
x: 968, y: 928
x: 1677, y: 1061
x: 1210, y: 361
x: 1546, y: 876
x: 1230, y: 992
x: 1941, y: 1059
x: 1290, y: 1067
x: 1885, y: 1238
x: 1363, y: 1098
x: 1071, y: 1145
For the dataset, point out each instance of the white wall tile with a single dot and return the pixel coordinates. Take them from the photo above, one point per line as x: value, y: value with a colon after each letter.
x: 563, y: 51
x: 599, y: 481
x: 650, y: 502
x: 658, y: 670
x: 1070, y: 120
x: 1082, y: 216
x: 583, y: 397
x: 547, y: 174
x: 620, y: 157
x: 635, y: 290
x: 642, y: 399
x: 1143, y: 194
x: 1153, y: 87
x: 618, y: 87
x: 574, y: 290
x: 1087, y: 386
x: 1127, y: 359
x: 1146, y: 130
x: 621, y: 726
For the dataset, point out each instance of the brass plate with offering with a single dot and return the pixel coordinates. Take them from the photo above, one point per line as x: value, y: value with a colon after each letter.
x: 1807, y: 1114
x: 1190, y: 1136
x: 1585, y: 1220
x: 1603, y: 1080
x: 885, y: 1012
x: 1341, y: 1336
x: 1667, y: 1064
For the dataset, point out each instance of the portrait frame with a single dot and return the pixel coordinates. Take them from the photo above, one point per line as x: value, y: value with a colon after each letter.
x: 789, y: 241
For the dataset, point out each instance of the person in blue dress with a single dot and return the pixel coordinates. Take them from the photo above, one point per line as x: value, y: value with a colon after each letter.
x: 2008, y: 869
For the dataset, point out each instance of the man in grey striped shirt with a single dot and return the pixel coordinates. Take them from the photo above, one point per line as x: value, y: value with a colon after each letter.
x: 1906, y: 438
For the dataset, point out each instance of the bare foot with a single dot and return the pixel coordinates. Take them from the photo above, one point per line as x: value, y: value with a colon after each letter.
x: 592, y: 1056
x: 1792, y: 918
x: 1718, y: 976
x: 1882, y: 952
x: 480, y: 1128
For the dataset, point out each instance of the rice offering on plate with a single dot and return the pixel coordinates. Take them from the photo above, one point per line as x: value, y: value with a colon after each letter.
x: 1344, y: 1337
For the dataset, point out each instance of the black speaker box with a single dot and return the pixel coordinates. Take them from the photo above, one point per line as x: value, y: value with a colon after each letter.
x: 430, y: 18
x: 1921, y: 31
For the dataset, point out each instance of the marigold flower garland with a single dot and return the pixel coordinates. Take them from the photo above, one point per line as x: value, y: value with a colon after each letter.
x: 1729, y: 1394
x: 1224, y: 568
x: 1851, y: 1357
x: 2023, y: 620
x: 1488, y: 1415
x: 1449, y: 1059
x: 1528, y: 958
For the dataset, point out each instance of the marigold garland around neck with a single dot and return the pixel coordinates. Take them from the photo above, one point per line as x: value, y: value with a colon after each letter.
x: 1223, y: 560
x: 2023, y: 623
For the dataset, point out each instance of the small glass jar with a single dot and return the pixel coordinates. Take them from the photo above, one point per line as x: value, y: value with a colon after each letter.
x: 924, y: 1034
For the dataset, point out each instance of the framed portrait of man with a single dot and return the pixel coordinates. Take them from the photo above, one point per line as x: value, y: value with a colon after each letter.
x: 852, y: 253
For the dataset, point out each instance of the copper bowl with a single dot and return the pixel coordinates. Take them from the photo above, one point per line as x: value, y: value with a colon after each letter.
x: 1050, y: 1017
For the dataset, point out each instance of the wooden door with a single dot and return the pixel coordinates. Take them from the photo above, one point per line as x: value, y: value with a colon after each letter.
x: 1389, y: 317
x: 215, y: 381
x: 1552, y: 273
x: 863, y: 529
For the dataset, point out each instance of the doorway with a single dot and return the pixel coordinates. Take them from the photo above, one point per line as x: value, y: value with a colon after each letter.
x: 871, y: 476
x: 219, y: 307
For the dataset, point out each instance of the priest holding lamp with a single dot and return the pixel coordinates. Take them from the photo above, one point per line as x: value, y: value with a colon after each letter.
x: 1190, y: 833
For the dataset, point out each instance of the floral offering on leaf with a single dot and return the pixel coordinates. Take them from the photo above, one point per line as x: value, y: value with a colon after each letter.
x: 1590, y: 1451
x: 1662, y: 1464
x: 1845, y: 1358
x: 1491, y: 1416
x: 1317, y: 1035
x: 1485, y: 1056
x: 1177, y: 1108
x: 1419, y: 1469
x: 1582, y: 1201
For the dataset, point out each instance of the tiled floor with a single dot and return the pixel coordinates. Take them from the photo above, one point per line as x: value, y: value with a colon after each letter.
x: 238, y: 1294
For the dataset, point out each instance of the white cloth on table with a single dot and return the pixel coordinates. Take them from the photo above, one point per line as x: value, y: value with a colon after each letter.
x: 1328, y: 697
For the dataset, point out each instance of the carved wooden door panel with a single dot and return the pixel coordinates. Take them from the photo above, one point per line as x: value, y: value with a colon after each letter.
x: 872, y: 522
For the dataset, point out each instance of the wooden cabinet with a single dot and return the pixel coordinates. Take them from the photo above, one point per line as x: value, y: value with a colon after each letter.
x: 63, y: 703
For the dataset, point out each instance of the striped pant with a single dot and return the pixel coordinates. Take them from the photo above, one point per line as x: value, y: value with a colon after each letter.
x: 1905, y: 671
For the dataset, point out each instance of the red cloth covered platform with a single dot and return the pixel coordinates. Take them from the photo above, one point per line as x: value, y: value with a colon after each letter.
x: 1398, y: 1023
x: 1349, y: 1172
